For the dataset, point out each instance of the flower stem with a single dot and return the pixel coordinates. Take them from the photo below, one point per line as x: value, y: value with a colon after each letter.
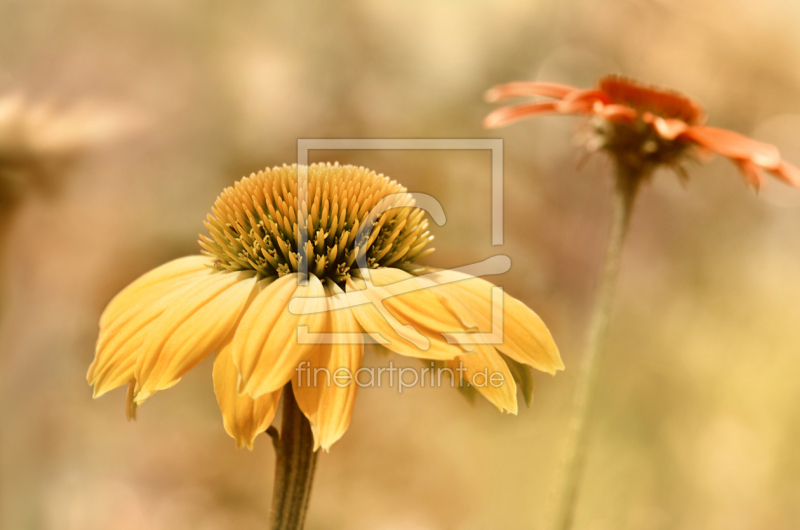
x: 295, y: 462
x: 625, y: 193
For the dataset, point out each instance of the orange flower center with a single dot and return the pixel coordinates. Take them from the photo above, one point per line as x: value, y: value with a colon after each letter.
x: 643, y: 98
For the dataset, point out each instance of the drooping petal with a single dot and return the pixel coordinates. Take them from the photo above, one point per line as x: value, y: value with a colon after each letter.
x: 750, y: 172
x: 121, y: 339
x: 525, y: 338
x: 788, y: 173
x: 326, y: 398
x: 175, y: 270
x: 130, y: 402
x: 667, y: 128
x: 583, y: 102
x: 507, y: 115
x: 190, y: 330
x: 486, y: 371
x: 266, y: 348
x: 244, y: 417
x: 527, y: 89
x: 734, y: 145
x: 404, y: 316
x: 523, y: 377
x: 617, y: 113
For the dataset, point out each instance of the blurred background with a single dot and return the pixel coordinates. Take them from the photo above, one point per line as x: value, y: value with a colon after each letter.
x: 699, y: 406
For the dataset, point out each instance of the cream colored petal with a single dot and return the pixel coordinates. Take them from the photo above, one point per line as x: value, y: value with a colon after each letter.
x: 190, y: 330
x: 325, y: 398
x: 244, y: 417
x: 175, y: 270
x: 266, y: 348
x: 486, y: 371
x: 526, y: 339
x: 420, y: 318
x: 119, y: 343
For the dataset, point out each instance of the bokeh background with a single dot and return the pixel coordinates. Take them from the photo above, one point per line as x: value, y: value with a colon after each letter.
x: 699, y: 406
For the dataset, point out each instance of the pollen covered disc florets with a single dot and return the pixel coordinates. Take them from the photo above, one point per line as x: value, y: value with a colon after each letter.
x: 347, y: 215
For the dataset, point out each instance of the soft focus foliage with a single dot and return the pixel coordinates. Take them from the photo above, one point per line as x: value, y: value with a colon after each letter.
x: 700, y: 412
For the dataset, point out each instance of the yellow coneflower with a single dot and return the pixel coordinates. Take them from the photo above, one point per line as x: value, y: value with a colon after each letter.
x: 234, y: 298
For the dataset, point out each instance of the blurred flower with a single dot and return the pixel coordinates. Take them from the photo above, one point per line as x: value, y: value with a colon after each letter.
x: 642, y: 127
x: 235, y: 299
x: 38, y: 142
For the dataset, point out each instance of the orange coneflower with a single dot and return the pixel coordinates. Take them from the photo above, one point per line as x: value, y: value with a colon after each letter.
x: 642, y: 126
x: 234, y: 299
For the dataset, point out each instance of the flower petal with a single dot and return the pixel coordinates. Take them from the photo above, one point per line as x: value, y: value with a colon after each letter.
x: 419, y: 317
x: 750, y: 172
x: 266, y: 348
x: 179, y: 269
x: 527, y: 89
x: 327, y: 401
x: 190, y: 330
x: 121, y: 339
x: 667, y: 128
x: 788, y: 173
x: 244, y: 417
x: 734, y: 145
x: 616, y: 112
x: 507, y: 115
x: 481, y: 369
x: 583, y: 102
x: 525, y: 338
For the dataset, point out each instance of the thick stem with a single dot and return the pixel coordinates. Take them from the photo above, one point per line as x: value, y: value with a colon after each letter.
x: 624, y: 196
x: 295, y: 462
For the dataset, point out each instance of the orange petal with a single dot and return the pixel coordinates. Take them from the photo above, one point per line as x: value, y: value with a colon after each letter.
x: 527, y: 89
x: 788, y: 173
x: 506, y: 115
x: 751, y: 173
x: 736, y: 146
x: 617, y: 112
x: 583, y: 101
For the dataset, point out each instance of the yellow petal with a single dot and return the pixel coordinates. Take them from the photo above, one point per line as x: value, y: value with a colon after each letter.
x: 326, y: 398
x: 119, y: 343
x: 419, y: 317
x: 244, y: 417
x: 130, y: 403
x: 266, y: 348
x: 190, y: 330
x: 179, y: 269
x: 525, y: 337
x: 486, y: 371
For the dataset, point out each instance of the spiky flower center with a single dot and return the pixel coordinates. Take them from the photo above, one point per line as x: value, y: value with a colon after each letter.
x: 636, y: 145
x: 347, y: 217
x: 658, y: 101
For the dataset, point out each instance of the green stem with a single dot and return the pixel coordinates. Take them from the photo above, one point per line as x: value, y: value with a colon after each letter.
x: 624, y: 196
x: 295, y: 462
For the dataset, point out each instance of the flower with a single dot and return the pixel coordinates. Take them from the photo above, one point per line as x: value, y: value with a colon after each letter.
x: 38, y: 141
x: 641, y: 126
x: 235, y: 299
